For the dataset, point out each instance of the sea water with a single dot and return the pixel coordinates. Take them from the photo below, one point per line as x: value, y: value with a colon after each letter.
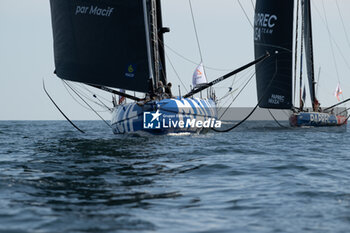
x: 258, y: 178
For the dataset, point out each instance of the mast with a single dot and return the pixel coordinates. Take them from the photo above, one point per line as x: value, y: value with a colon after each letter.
x: 309, y: 52
x: 296, y: 49
x: 150, y: 83
x: 301, y: 105
x: 161, y: 31
x: 155, y: 42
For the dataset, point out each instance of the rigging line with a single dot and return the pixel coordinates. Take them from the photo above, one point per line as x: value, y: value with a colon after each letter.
x: 91, y: 92
x: 330, y: 41
x: 342, y: 21
x: 245, y: 13
x: 195, y: 30
x: 286, y: 114
x: 346, y: 120
x: 193, y: 62
x: 344, y: 111
x: 73, y: 97
x: 335, y: 105
x: 341, y: 53
x: 69, y: 92
x: 245, y: 85
x: 228, y: 94
x: 274, y: 118
x: 81, y: 93
x: 252, y: 4
x: 61, y: 110
x: 102, y: 103
x: 233, y: 80
x: 239, y: 79
x: 243, y: 78
x: 225, y: 97
x: 318, y: 79
x: 256, y: 106
x: 88, y: 104
x: 64, y: 85
x: 334, y: 41
x: 241, y: 85
x: 245, y: 74
x: 238, y: 124
x: 163, y: 65
x: 89, y: 97
x: 276, y: 47
x: 107, y: 89
x: 176, y: 74
x: 226, y: 76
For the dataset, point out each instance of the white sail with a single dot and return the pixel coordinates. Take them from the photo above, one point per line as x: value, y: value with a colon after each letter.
x: 199, y: 76
x: 338, y: 92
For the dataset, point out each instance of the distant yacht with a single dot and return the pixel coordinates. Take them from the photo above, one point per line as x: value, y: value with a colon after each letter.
x: 273, y: 32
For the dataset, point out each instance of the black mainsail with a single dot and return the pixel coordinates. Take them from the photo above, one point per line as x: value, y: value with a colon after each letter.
x: 103, y: 42
x: 273, y: 33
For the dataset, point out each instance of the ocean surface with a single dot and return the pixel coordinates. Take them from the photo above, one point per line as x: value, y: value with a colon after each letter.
x: 257, y: 178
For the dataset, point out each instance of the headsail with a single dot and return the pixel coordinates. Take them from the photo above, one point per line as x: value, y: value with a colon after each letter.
x: 307, y: 24
x: 273, y: 33
x: 102, y: 42
x: 338, y: 92
x: 199, y: 77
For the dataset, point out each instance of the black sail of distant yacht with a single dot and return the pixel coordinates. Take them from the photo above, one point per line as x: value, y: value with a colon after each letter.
x: 103, y: 42
x: 273, y: 33
x: 307, y: 24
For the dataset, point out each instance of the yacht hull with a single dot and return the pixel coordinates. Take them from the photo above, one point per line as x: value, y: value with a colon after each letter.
x: 165, y: 116
x: 316, y: 119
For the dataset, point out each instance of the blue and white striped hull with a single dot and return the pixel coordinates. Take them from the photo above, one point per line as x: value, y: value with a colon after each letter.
x: 132, y: 117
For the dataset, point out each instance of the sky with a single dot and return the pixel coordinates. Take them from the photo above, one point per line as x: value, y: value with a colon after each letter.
x: 226, y: 41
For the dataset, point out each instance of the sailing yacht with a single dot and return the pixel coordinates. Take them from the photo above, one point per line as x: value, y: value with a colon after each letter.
x: 119, y: 45
x: 273, y: 32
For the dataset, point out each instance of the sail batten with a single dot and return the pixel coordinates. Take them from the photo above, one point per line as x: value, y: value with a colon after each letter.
x: 102, y: 42
x: 273, y: 32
